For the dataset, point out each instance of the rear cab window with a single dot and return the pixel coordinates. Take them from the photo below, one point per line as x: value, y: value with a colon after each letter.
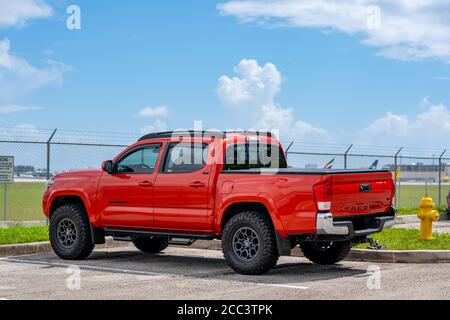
x: 253, y: 155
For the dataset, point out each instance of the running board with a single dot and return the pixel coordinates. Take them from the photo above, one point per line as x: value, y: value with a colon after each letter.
x: 128, y: 235
x: 187, y: 243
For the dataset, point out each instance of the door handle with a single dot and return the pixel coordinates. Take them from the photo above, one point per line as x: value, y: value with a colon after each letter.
x: 197, y: 184
x: 146, y: 184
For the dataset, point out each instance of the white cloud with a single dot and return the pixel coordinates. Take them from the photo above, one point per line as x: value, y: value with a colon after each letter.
x: 256, y: 87
x: 13, y: 108
x: 154, y: 112
x: 390, y: 124
x: 306, y: 131
x: 18, y: 76
x: 430, y: 127
x: 17, y: 12
x: 252, y: 84
x: 275, y: 117
x: 28, y: 130
x: 404, y: 30
x: 156, y: 126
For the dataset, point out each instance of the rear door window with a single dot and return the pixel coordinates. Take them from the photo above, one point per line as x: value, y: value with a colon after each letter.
x: 185, y: 157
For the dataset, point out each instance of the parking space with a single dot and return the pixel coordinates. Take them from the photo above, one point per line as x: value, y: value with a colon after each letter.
x: 180, y: 273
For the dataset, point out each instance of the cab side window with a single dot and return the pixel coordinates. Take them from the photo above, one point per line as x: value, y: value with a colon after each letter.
x: 140, y: 161
x: 185, y: 157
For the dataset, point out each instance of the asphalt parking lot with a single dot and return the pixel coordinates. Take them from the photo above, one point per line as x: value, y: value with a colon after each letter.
x: 181, y: 273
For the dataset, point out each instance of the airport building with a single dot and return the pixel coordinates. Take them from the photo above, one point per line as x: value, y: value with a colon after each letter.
x: 422, y: 172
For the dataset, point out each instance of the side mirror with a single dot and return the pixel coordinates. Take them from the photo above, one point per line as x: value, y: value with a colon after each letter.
x: 108, y: 166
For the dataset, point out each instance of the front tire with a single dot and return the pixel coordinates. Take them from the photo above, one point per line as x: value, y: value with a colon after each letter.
x: 326, y: 252
x: 249, y: 244
x: 151, y: 245
x: 70, y: 233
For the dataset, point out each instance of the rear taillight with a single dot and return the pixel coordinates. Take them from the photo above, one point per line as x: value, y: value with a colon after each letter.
x: 323, y: 195
x: 392, y: 192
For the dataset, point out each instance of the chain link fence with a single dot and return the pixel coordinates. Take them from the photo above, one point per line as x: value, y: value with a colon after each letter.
x: 416, y: 171
x: 39, y: 154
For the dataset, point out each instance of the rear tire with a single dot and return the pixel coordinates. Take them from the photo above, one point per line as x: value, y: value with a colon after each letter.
x: 151, y: 245
x: 249, y: 244
x: 326, y: 252
x: 70, y: 232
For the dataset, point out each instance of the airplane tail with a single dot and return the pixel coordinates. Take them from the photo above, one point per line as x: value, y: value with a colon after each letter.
x: 374, y: 166
x: 329, y: 165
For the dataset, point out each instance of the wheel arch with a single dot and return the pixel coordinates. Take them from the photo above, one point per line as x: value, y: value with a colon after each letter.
x: 63, y: 200
x: 261, y: 203
x: 283, y: 244
x: 75, y: 198
x: 236, y: 207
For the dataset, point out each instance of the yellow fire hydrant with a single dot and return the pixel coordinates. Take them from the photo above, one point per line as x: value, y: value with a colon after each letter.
x: 427, y: 215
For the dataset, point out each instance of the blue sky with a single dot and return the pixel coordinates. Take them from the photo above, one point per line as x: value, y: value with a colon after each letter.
x: 152, y: 65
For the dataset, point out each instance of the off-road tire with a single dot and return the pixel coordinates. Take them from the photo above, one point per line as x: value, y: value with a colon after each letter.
x: 82, y: 246
x: 267, y: 255
x: 151, y: 245
x: 326, y: 252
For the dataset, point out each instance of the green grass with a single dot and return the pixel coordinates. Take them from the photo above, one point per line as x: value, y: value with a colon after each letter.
x: 23, y: 235
x: 408, y: 196
x: 408, y: 239
x: 414, y: 211
x: 24, y: 201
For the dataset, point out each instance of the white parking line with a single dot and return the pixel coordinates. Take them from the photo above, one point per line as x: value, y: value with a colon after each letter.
x: 3, y: 288
x: 94, y: 268
x: 287, y: 286
x: 146, y: 273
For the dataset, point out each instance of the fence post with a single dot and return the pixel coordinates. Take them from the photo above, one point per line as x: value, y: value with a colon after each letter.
x: 345, y: 156
x: 287, y: 150
x: 5, y: 208
x: 395, y: 175
x: 440, y: 178
x: 48, y: 154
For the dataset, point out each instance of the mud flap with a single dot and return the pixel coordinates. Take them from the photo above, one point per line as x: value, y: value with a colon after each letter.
x: 97, y: 235
x: 284, y: 245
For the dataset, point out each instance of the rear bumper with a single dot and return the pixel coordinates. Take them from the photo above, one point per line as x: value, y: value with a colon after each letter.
x: 355, y: 226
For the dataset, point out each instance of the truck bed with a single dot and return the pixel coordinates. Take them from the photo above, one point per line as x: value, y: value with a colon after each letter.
x: 304, y: 171
x: 353, y: 193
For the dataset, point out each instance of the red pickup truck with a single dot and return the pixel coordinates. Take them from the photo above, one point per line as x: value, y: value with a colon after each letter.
x: 177, y: 187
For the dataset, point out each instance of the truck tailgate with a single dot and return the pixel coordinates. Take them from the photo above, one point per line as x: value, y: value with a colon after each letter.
x: 361, y: 193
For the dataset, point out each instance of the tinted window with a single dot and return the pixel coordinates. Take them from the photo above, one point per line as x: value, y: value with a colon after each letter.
x: 254, y: 155
x: 140, y: 161
x: 185, y: 157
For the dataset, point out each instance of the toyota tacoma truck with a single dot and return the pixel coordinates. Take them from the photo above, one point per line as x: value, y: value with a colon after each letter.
x: 178, y: 187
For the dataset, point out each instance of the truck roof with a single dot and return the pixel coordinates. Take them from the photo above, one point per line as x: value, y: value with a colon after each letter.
x: 198, y: 133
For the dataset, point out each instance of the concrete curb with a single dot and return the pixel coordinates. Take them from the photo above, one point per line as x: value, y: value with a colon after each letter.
x: 366, y: 255
x: 444, y: 216
x: 45, y: 247
x: 400, y: 256
x: 24, y: 249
